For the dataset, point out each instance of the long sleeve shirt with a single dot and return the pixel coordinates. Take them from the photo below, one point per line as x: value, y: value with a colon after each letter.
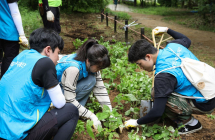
x: 165, y: 84
x: 69, y: 81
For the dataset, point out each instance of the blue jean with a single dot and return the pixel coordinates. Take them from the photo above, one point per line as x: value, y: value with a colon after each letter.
x: 84, y: 88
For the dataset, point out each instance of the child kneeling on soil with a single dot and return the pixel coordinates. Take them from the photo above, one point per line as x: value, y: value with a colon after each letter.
x: 27, y: 90
x: 79, y: 74
x: 178, y: 109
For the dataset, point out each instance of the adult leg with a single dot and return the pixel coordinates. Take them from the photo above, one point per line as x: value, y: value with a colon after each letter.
x: 47, y: 24
x: 52, y: 25
x: 180, y: 110
x: 66, y: 122
x: 11, y: 50
x: 57, y: 20
x: 84, y: 88
x: 57, y: 123
x: 56, y: 24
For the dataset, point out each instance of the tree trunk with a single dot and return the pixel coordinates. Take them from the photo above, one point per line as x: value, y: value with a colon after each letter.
x: 176, y: 3
x: 182, y: 4
x: 190, y: 4
x: 141, y: 3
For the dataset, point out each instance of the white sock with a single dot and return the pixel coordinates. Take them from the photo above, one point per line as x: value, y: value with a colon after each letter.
x: 192, y: 122
x: 195, y: 121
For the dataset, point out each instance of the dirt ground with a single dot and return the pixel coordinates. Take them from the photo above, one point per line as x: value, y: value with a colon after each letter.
x: 83, y: 26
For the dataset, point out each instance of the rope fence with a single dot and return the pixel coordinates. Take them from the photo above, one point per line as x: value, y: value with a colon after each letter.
x: 126, y: 27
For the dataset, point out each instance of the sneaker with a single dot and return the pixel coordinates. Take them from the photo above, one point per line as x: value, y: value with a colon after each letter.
x: 187, y: 129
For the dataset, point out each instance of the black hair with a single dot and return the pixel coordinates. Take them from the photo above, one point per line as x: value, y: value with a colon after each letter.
x: 139, y: 50
x: 95, y: 53
x: 43, y: 37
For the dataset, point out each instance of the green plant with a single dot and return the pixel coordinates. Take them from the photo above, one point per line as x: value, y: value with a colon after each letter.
x: 212, y: 117
x: 94, y: 105
x: 106, y: 134
x: 78, y: 129
x: 163, y: 11
x: 123, y: 97
x: 135, y: 136
x: 133, y: 87
x: 111, y: 121
x: 135, y: 111
x: 89, y: 128
x: 84, y: 6
x: 77, y: 43
x: 160, y: 132
x: 32, y: 23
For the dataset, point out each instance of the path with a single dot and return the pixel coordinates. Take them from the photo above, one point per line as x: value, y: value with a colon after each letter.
x: 198, y: 37
x: 120, y: 7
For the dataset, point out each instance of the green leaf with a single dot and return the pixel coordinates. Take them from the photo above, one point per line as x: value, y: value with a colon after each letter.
x: 103, y: 115
x: 100, y: 129
x: 106, y: 124
x: 131, y: 97
x: 155, y: 126
x: 89, y: 129
x: 110, y: 136
x: 148, y: 134
x: 116, y: 135
x: 106, y: 108
x: 157, y: 136
x: 171, y: 129
x: 127, y: 112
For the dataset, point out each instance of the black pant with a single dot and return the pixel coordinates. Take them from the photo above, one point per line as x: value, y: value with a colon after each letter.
x: 11, y: 50
x: 57, y: 123
x: 52, y: 25
x: 1, y: 54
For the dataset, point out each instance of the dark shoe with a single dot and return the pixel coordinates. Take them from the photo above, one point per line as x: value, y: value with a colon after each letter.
x: 187, y: 129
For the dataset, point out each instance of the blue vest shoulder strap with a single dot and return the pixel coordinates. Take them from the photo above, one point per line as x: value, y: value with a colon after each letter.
x: 69, y: 61
x: 169, y: 62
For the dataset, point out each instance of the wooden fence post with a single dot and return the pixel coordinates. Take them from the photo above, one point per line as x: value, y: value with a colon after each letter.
x: 115, y: 18
x: 102, y: 16
x: 135, y: 3
x: 107, y: 19
x: 142, y: 33
x: 126, y: 32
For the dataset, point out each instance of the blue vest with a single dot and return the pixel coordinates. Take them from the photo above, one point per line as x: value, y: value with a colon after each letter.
x: 69, y: 61
x: 8, y: 29
x: 167, y: 59
x: 22, y: 103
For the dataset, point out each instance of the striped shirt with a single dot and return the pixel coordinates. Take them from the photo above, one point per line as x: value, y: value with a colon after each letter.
x: 69, y: 81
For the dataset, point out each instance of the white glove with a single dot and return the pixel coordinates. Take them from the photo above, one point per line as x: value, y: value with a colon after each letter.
x: 50, y: 16
x: 160, y: 30
x: 131, y: 123
x: 95, y: 120
x: 23, y: 40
